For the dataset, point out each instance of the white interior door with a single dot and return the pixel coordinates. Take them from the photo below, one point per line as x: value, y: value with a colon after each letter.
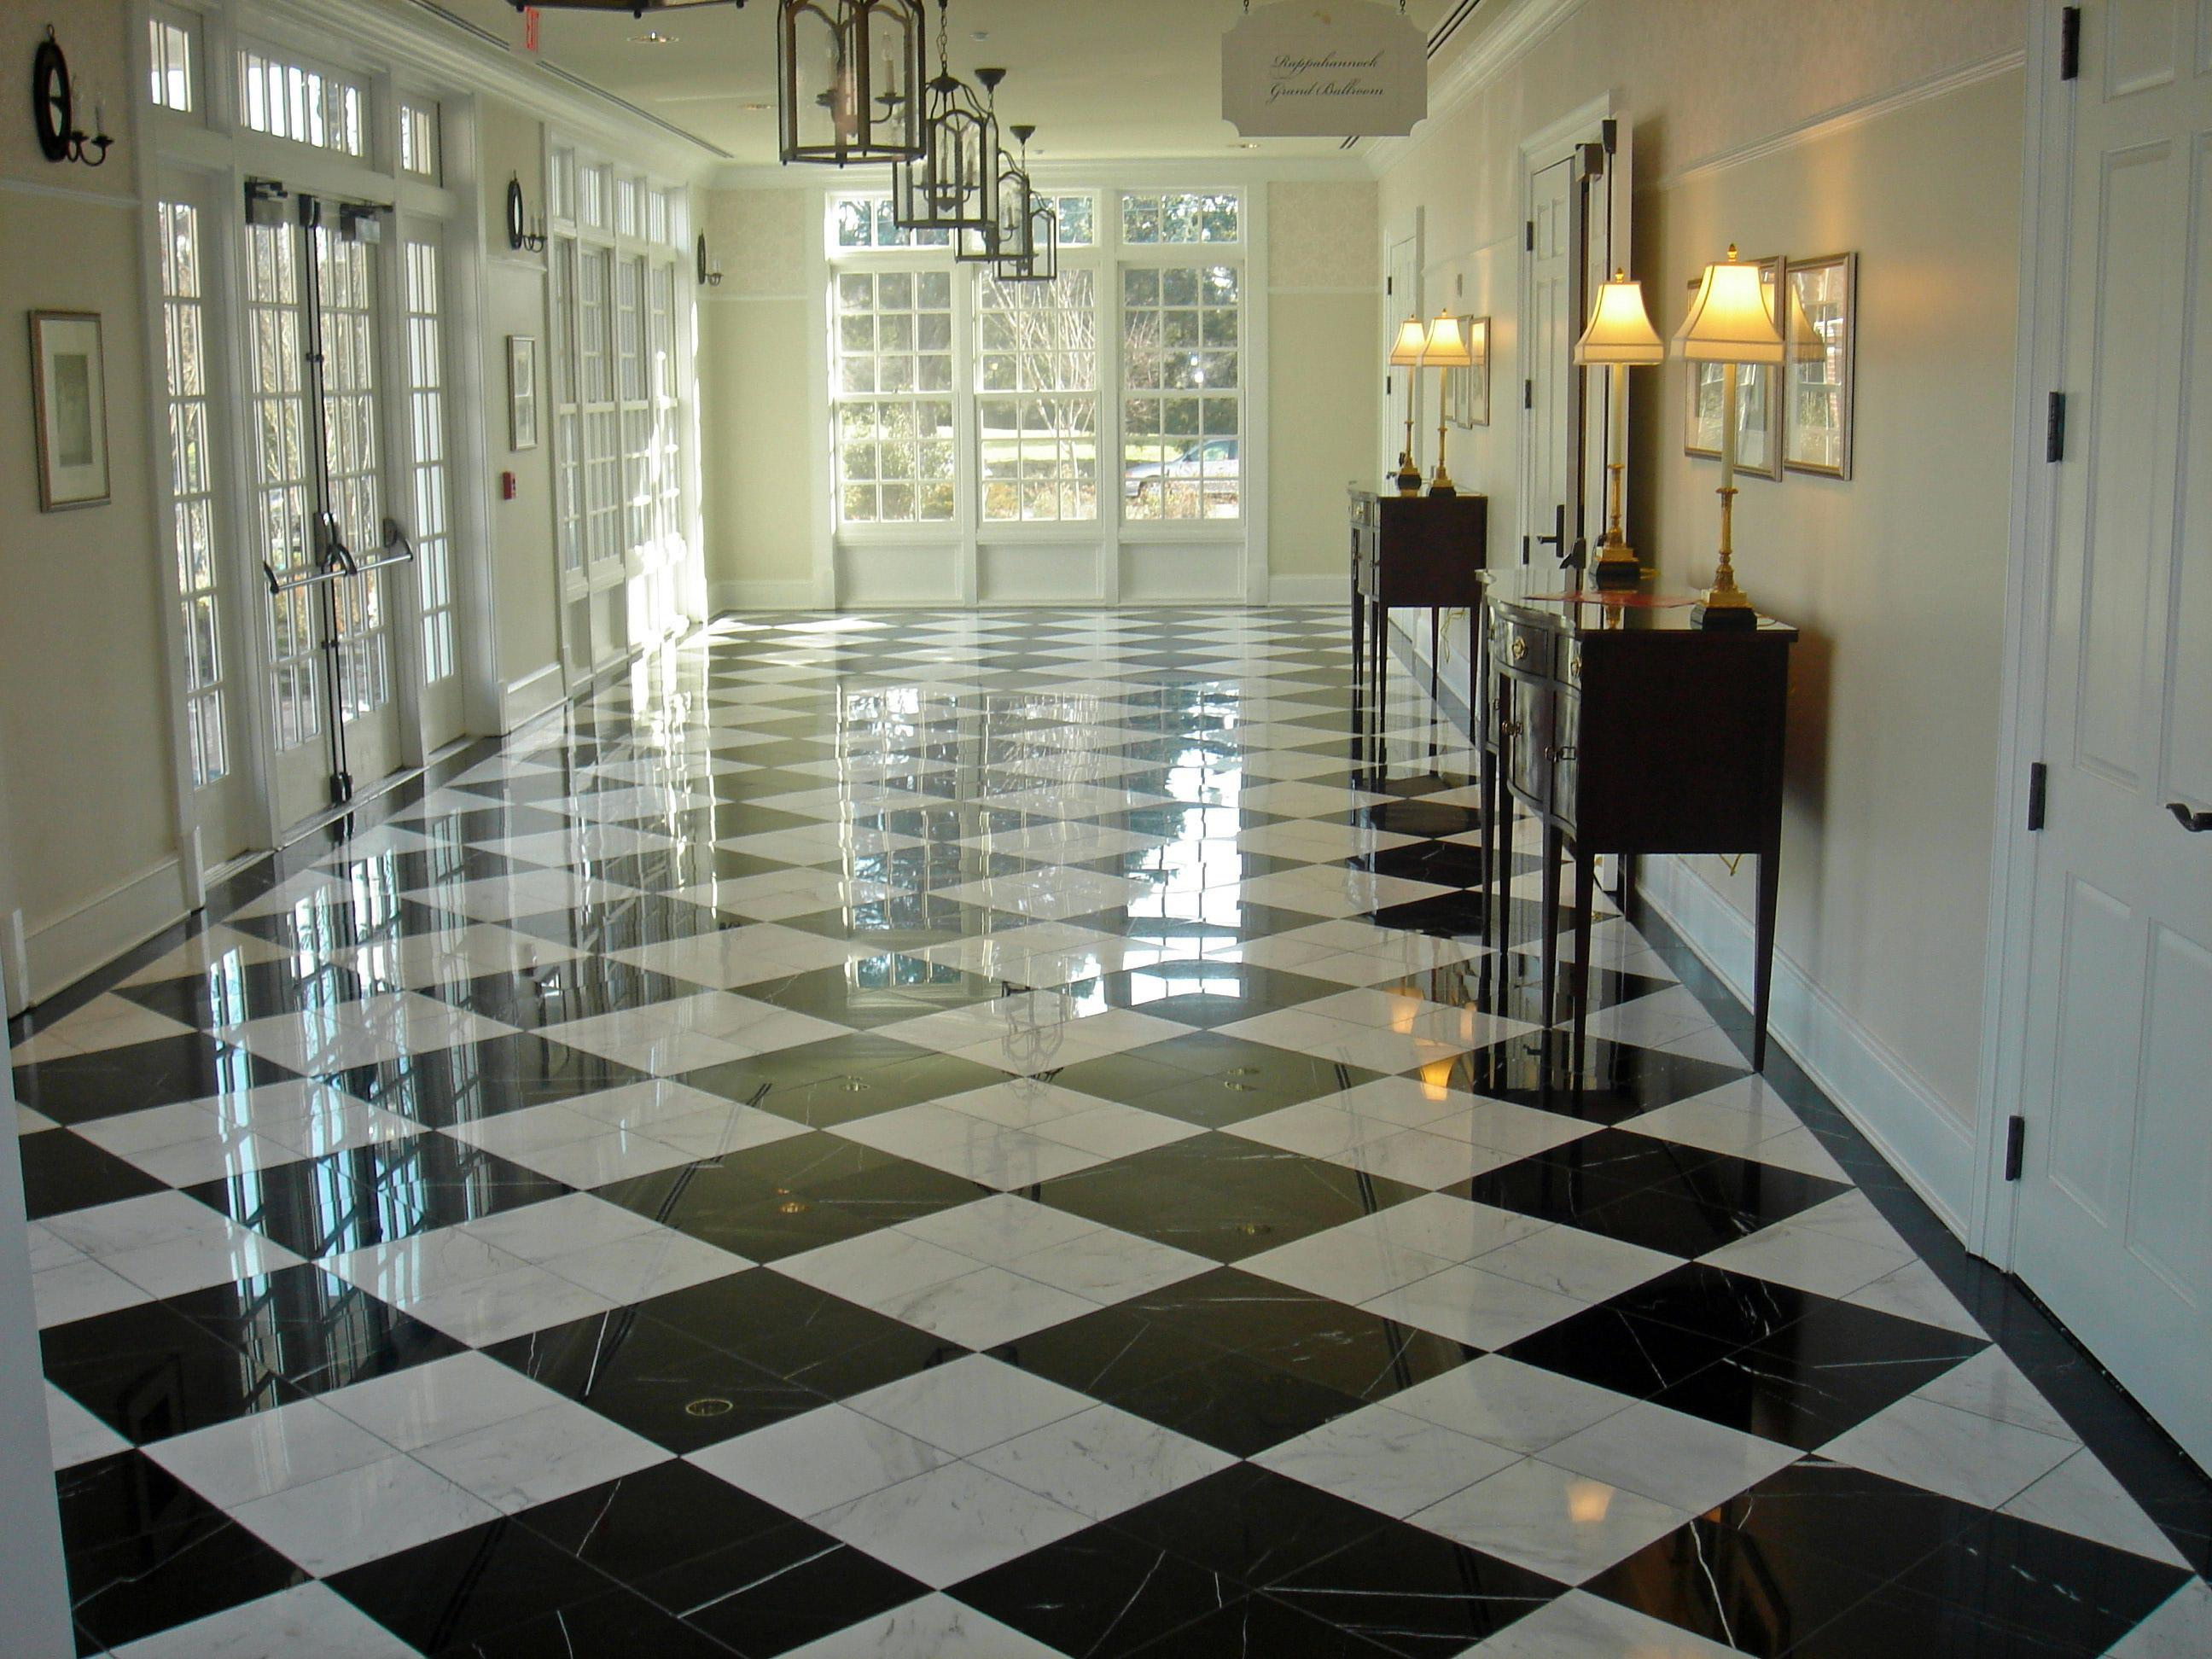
x: 1548, y: 342
x: 1401, y: 299
x: 2113, y: 1228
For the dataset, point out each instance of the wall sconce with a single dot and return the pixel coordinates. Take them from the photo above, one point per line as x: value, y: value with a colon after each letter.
x: 1445, y: 348
x: 520, y: 236
x: 1729, y: 324
x: 53, y: 110
x: 710, y: 274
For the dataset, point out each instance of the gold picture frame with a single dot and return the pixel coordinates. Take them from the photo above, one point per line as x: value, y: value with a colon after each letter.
x: 1759, y: 409
x: 69, y: 410
x: 1818, y: 428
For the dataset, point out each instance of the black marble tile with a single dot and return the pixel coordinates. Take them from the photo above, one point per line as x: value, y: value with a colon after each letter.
x: 63, y: 1171
x: 808, y: 1338
x: 611, y: 1626
x: 1607, y: 1083
x: 145, y: 1553
x: 1897, y: 1621
x: 235, y: 991
x: 1238, y: 1403
x: 1099, y: 1593
x: 484, y: 1080
x: 471, y: 1585
x: 780, y: 1589
x: 1222, y: 1197
x: 648, y: 1522
x: 1629, y: 1355
x: 1416, y: 1594
x: 655, y: 1379
x: 2027, y: 1577
x: 83, y: 1088
x: 312, y: 1329
x: 1250, y: 1524
x: 147, y: 1372
x: 1204, y: 994
x: 560, y: 992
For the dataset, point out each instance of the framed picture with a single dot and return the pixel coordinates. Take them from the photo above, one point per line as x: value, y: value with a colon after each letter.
x: 1467, y: 393
x: 522, y: 429
x: 1758, y: 409
x: 1823, y: 334
x: 69, y: 393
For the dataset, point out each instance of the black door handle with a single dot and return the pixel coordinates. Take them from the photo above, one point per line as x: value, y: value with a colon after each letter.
x: 2195, y: 823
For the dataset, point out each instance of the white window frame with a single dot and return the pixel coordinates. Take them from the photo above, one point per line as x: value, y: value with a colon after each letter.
x: 1110, y: 559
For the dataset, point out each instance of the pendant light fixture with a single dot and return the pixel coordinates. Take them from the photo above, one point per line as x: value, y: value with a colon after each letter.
x: 1036, y: 256
x: 954, y: 185
x: 851, y: 77
x: 1009, y: 235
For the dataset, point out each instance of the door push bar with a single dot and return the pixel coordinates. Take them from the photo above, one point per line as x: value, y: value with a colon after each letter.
x: 338, y: 561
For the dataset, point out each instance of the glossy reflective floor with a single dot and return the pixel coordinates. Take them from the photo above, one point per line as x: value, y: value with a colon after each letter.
x: 1001, y: 1134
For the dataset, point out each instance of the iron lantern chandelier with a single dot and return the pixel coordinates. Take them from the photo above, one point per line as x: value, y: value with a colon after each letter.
x: 634, y: 7
x: 955, y: 184
x: 1033, y: 256
x: 851, y: 77
x: 1008, y: 236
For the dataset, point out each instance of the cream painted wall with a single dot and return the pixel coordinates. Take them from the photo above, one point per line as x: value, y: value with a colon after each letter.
x: 1324, y: 254
x: 525, y: 579
x: 755, y: 354
x: 84, y: 725
x: 1896, y: 577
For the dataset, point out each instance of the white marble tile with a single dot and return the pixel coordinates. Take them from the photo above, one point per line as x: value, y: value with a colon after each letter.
x: 985, y: 1308
x: 544, y: 1454
x: 377, y: 1510
x: 934, y: 1626
x: 950, y: 1523
x: 816, y: 1462
x: 1914, y: 1292
x: 973, y: 1403
x: 1102, y: 1460
x: 1990, y: 1385
x: 999, y: 1230
x: 1579, y: 1626
x: 74, y: 1434
x: 1565, y: 1526
x: 522, y: 1299
x: 438, y: 1401
x: 235, y: 1463
x: 81, y: 1289
x: 308, y: 1619
x: 1976, y: 1459
x: 1523, y: 1407
x: 1827, y: 1264
x: 1107, y: 1266
x: 876, y: 1268
x: 1486, y: 1311
x: 408, y: 1271
x: 2180, y: 1629
x: 1386, y: 1460
x: 1680, y: 1461
x: 1588, y: 1267
x: 1343, y: 1266
x: 646, y: 1265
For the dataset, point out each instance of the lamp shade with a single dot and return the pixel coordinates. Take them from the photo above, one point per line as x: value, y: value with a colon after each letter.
x: 1621, y: 331
x: 1447, y: 347
x: 1807, y: 344
x: 1413, y: 340
x: 1731, y: 321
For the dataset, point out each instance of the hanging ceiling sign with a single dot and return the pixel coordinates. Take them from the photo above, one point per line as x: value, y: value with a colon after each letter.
x: 1342, y: 68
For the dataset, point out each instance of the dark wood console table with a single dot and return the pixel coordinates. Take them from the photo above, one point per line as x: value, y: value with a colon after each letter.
x: 1411, y: 550
x: 1623, y: 727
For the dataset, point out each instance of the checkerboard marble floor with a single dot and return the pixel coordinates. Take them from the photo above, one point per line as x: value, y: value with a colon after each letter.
x: 1000, y: 1134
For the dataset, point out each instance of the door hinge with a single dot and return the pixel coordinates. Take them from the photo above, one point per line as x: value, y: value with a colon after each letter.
x: 1524, y: 550
x: 2016, y: 1146
x: 2054, y: 432
x: 2039, y: 785
x: 1389, y: 285
x: 1531, y: 243
x: 2070, y: 43
x: 1527, y: 394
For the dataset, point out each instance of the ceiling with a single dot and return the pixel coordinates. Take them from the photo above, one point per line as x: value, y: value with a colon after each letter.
x: 1102, y: 79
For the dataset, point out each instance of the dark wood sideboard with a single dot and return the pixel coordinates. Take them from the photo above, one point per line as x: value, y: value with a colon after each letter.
x: 1623, y: 727
x: 1411, y: 550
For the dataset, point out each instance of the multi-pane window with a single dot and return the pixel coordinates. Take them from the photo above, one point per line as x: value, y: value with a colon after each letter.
x: 418, y: 139
x: 893, y: 393
x: 426, y: 455
x: 170, y: 51
x: 1078, y: 219
x: 306, y: 105
x: 276, y: 415
x: 1182, y: 216
x: 865, y: 221
x: 191, y: 474
x: 602, y: 419
x: 1037, y: 398
x: 1182, y: 408
x: 568, y: 420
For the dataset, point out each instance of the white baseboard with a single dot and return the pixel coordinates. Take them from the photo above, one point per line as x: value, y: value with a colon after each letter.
x: 62, y: 950
x: 1333, y: 587
x: 14, y: 965
x: 526, y: 699
x: 795, y: 594
x: 1904, y: 1118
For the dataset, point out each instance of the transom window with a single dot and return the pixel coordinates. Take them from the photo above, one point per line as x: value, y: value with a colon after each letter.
x: 1150, y: 218
x: 301, y: 103
x: 170, y: 52
x: 418, y: 139
x: 864, y: 221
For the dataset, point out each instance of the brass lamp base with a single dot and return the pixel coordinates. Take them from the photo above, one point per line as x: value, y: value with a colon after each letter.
x: 1616, y: 568
x: 1725, y: 605
x: 1408, y: 478
x: 1442, y: 485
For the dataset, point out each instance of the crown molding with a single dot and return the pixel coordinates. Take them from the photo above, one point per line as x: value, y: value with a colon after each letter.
x: 1178, y: 172
x: 1492, y: 53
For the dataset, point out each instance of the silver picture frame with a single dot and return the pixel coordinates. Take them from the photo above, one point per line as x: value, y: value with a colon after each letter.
x: 1818, y: 426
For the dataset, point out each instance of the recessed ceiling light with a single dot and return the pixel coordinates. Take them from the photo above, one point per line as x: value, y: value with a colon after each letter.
x: 979, y: 36
x: 1247, y: 144
x: 754, y: 109
x: 653, y: 37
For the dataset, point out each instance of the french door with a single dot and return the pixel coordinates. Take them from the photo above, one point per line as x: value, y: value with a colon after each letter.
x: 2113, y: 1227
x: 317, y: 410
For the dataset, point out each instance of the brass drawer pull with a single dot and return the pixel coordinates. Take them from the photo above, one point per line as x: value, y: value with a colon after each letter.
x: 1565, y: 751
x: 1510, y: 728
x: 1520, y: 647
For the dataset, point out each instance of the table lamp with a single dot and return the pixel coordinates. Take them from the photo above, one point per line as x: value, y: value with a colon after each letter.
x: 1620, y: 336
x: 1446, y: 349
x: 1730, y: 323
x: 1412, y: 339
